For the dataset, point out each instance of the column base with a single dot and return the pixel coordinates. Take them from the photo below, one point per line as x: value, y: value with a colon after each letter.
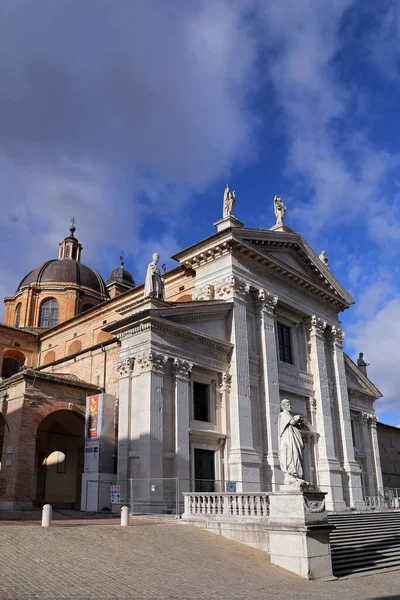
x: 352, y: 486
x: 244, y: 468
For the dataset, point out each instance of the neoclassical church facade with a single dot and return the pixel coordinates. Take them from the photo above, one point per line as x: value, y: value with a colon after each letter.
x: 248, y: 317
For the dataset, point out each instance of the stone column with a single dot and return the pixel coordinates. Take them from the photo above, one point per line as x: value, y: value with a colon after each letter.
x: 182, y: 371
x: 244, y: 461
x: 328, y: 468
x: 372, y: 419
x: 124, y: 369
x: 150, y: 388
x: 351, y: 468
x: 266, y: 303
x: 225, y: 380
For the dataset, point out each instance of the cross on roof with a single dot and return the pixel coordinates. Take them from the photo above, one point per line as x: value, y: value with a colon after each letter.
x: 73, y: 221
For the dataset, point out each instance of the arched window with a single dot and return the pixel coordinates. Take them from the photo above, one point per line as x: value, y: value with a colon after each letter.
x: 18, y: 315
x: 49, y: 313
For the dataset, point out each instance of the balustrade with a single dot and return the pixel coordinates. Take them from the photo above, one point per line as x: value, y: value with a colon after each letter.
x: 232, y: 505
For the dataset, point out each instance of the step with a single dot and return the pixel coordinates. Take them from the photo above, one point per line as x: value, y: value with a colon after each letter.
x: 367, y: 556
x: 377, y: 566
x: 363, y: 535
x: 351, y: 550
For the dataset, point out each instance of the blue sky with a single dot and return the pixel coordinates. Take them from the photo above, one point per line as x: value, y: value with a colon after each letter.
x: 132, y: 117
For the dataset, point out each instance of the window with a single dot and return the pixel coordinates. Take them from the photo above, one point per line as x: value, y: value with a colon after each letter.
x: 391, y: 442
x: 285, y: 344
x: 86, y: 307
x: 394, y: 466
x: 18, y: 315
x: 74, y: 252
x: 201, y: 397
x: 49, y: 313
x: 67, y: 252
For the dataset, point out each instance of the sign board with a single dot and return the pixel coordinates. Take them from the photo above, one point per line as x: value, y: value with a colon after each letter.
x: 115, y: 493
x: 93, y: 420
x: 91, y: 457
x: 231, y: 486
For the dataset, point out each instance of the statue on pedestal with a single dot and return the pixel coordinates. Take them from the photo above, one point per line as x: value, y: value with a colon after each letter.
x: 279, y: 209
x: 154, y: 284
x: 362, y: 365
x: 229, y: 201
x: 290, y: 444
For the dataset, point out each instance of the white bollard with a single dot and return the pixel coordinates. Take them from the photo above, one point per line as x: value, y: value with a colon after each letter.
x: 46, y: 515
x: 124, y: 516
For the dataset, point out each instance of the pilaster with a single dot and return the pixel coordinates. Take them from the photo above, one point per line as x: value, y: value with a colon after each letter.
x: 266, y: 304
x: 352, y: 481
x: 328, y: 468
x: 225, y: 381
x: 124, y: 370
x: 372, y: 419
x: 181, y: 370
x: 244, y: 461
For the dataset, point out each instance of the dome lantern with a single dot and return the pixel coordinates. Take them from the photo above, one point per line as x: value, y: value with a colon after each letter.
x: 70, y: 248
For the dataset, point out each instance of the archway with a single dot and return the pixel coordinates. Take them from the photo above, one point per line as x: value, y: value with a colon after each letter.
x: 59, y: 459
x: 12, y: 362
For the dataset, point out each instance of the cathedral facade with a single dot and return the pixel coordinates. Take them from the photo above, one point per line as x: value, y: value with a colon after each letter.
x: 248, y: 318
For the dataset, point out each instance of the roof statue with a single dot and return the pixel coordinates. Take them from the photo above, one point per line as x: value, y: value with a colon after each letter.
x: 229, y: 201
x: 154, y: 284
x: 362, y: 365
x: 279, y: 209
x: 323, y: 258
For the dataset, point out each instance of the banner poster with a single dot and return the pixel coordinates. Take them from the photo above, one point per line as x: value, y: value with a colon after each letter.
x: 93, y: 416
x: 115, y: 493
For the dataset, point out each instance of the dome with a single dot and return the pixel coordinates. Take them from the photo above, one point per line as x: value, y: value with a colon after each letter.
x: 121, y: 275
x: 65, y: 271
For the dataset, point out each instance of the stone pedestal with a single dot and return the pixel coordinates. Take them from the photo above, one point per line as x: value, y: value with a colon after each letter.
x: 299, y: 533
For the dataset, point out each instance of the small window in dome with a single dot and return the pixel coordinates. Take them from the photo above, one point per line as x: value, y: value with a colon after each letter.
x: 74, y: 252
x: 18, y: 315
x: 67, y: 252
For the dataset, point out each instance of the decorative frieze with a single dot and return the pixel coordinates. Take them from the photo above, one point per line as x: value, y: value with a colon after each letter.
x: 230, y: 287
x: 206, y: 292
x: 151, y: 361
x: 265, y: 301
x: 125, y: 366
x: 182, y: 368
x: 317, y: 326
x: 314, y: 506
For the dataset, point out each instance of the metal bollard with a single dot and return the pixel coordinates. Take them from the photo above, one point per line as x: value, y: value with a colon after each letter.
x: 124, y: 516
x: 46, y: 515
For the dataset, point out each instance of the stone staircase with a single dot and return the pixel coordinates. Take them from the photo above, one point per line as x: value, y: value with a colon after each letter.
x: 364, y: 543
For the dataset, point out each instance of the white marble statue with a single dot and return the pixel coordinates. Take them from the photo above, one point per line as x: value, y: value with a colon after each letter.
x: 279, y: 209
x: 229, y: 201
x: 154, y: 284
x: 290, y: 444
x: 323, y: 258
x: 362, y: 365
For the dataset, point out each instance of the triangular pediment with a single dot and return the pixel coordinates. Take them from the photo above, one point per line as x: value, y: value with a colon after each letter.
x: 357, y: 381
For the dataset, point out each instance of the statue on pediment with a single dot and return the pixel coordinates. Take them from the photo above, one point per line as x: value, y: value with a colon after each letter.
x: 362, y: 365
x: 229, y: 201
x: 279, y: 209
x: 323, y: 258
x: 154, y: 284
x: 290, y: 444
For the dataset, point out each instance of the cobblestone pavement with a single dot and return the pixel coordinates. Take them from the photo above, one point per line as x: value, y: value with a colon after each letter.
x: 156, y: 561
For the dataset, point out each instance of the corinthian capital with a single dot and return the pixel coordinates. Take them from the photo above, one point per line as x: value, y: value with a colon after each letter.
x: 370, y: 418
x: 182, y: 368
x: 206, y: 292
x: 151, y: 361
x: 265, y: 301
x: 316, y: 325
x: 225, y: 380
x: 125, y: 366
x: 337, y: 335
x: 230, y: 287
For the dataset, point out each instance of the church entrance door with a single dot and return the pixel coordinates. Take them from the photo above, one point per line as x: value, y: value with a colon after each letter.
x: 204, y: 470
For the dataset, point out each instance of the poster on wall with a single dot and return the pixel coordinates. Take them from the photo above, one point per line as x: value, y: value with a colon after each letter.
x: 93, y: 416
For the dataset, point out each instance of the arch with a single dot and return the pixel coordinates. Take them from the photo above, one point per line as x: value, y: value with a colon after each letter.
x: 12, y: 362
x: 60, y: 438
x: 18, y: 315
x: 76, y: 346
x: 49, y: 313
x: 86, y: 307
x: 103, y: 336
x: 49, y: 357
